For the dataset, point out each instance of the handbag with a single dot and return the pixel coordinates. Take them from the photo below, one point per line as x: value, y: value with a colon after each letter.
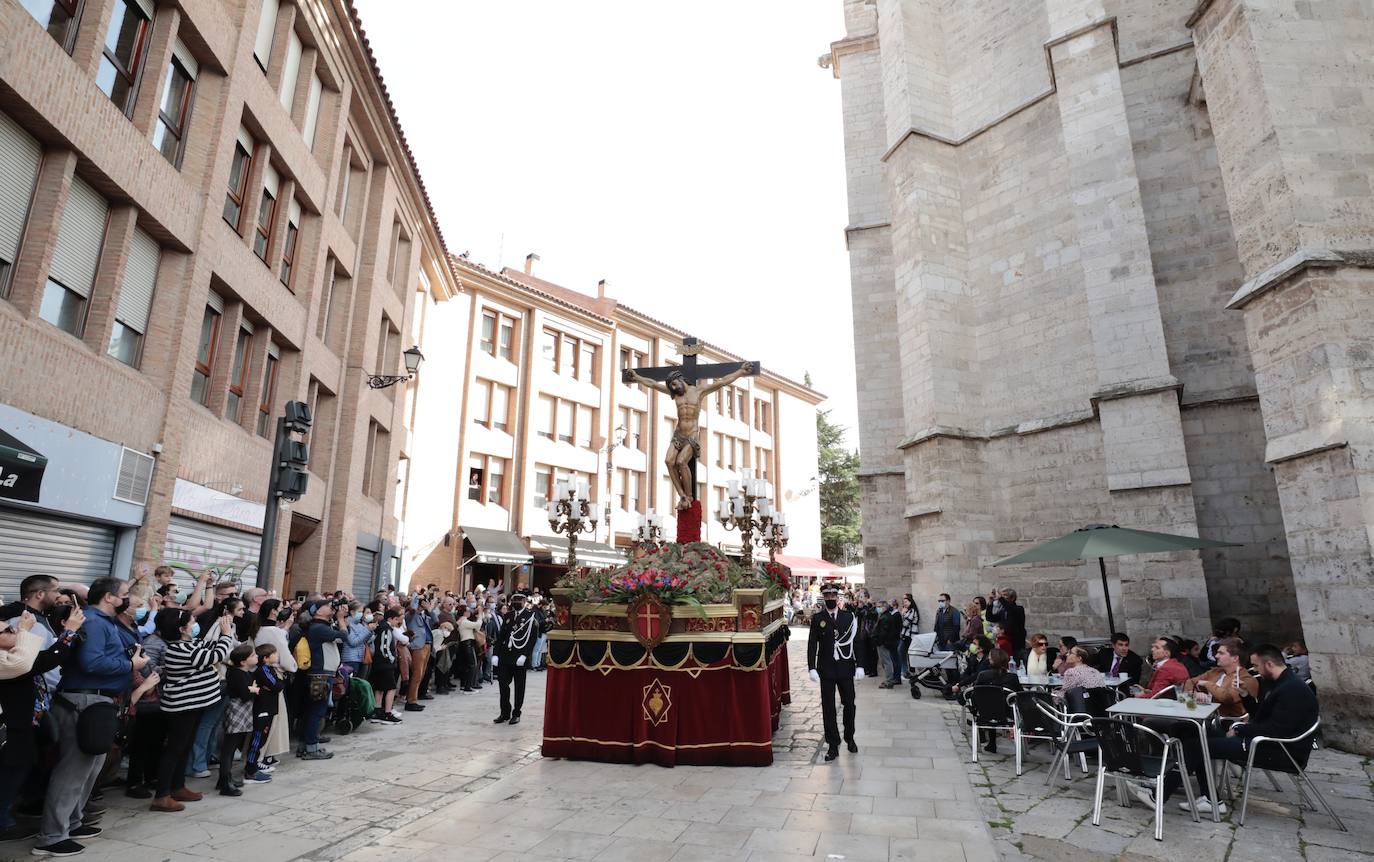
x: 319, y: 687
x: 97, y: 725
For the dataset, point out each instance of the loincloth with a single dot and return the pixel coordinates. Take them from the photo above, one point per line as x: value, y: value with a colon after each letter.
x: 681, y: 440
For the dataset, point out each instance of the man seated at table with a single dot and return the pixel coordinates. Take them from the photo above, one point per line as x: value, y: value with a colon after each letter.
x: 1288, y: 709
x: 1120, y: 660
x: 1078, y: 673
x: 1168, y: 669
x: 1038, y: 659
x: 1228, y: 684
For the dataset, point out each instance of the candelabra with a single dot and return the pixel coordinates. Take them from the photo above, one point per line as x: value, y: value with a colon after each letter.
x: 571, y: 512
x: 773, y: 534
x: 747, y: 509
x: 649, y: 532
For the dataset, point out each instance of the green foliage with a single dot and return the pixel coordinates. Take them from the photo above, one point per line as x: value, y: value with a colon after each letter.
x: 687, y: 574
x: 839, y: 489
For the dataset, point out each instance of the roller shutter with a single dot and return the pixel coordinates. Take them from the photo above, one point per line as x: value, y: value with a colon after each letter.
x: 37, y: 544
x: 194, y: 545
x: 364, y: 573
x: 20, y: 156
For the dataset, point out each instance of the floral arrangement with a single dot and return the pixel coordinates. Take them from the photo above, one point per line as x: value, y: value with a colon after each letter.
x: 695, y: 573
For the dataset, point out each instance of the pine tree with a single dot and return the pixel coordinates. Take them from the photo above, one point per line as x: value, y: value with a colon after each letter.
x: 839, y: 490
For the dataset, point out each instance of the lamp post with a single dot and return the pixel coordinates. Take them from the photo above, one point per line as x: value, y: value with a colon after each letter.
x: 412, y: 357
x: 746, y: 509
x: 649, y: 532
x: 571, y: 512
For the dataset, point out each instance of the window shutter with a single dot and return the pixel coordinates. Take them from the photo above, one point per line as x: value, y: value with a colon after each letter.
x: 140, y: 277
x: 20, y: 155
x: 271, y: 182
x: 215, y: 301
x: 292, y: 71
x: 78, y: 239
x: 267, y: 28
x: 246, y: 139
x: 293, y: 214
x: 186, y: 58
x: 312, y: 111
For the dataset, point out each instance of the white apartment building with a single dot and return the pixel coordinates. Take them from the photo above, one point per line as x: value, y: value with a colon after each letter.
x: 540, y: 401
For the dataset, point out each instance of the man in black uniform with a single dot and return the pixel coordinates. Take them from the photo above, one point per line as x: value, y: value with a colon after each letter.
x: 830, y: 658
x: 514, y: 652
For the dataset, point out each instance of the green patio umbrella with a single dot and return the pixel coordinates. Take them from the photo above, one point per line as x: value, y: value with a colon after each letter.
x: 1101, y: 540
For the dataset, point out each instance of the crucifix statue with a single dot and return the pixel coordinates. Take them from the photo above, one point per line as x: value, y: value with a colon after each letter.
x: 684, y: 384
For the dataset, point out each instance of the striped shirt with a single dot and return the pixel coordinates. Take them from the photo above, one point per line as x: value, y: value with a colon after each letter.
x: 190, y: 679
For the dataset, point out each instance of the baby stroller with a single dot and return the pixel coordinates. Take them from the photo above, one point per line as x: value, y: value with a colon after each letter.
x: 354, y: 707
x: 928, y: 665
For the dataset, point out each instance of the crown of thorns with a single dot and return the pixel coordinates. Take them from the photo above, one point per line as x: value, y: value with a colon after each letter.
x: 676, y: 375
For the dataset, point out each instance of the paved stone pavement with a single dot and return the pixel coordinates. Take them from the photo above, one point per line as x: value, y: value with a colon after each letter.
x: 448, y: 784
x: 1033, y: 821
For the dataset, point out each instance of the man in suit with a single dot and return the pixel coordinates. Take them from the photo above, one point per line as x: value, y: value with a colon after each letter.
x: 514, y: 651
x: 1120, y: 660
x: 830, y: 660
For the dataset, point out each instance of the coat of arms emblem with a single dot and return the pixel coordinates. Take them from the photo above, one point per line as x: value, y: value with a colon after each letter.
x: 649, y: 620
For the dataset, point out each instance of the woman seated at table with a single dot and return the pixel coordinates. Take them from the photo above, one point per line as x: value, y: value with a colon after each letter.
x: 975, y: 664
x: 997, y: 673
x: 1227, y: 684
x: 1066, y: 645
x: 1078, y: 673
x: 1038, y: 660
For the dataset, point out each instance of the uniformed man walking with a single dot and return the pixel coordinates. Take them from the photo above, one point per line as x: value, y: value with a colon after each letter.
x: 830, y: 658
x: 514, y: 651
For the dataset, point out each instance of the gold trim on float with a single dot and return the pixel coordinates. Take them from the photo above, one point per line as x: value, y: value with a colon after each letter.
x: 662, y: 745
x: 608, y: 661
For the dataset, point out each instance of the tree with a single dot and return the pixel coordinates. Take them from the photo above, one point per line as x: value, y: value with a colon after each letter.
x: 839, y: 489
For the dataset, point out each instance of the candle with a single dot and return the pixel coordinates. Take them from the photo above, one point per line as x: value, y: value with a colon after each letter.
x: 582, y: 490
x: 561, y: 489
x: 733, y: 485
x: 739, y: 507
x: 785, y: 534
x: 724, y: 510
x: 747, y: 473
x: 764, y: 508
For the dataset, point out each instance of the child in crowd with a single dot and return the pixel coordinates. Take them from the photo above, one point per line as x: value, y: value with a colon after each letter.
x: 269, y: 681
x: 238, y: 714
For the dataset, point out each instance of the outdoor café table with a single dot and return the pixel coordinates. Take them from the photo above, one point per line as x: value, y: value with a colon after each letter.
x: 1053, y: 680
x: 1167, y: 707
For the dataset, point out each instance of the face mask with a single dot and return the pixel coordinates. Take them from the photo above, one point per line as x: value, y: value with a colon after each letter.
x: 942, y: 605
x: 367, y: 618
x: 357, y: 617
x: 518, y: 607
x: 831, y: 603
x: 123, y: 606
x: 195, y: 630
x: 140, y: 615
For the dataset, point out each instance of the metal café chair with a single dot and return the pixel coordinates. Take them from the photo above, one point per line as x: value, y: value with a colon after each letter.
x: 989, y: 708
x: 1068, y: 739
x: 1288, y: 764
x: 1168, y: 691
x: 1134, y: 754
x: 1030, y: 723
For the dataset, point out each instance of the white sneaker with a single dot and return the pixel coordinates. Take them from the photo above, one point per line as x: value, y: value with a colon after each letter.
x: 1204, y: 806
x: 1146, y: 798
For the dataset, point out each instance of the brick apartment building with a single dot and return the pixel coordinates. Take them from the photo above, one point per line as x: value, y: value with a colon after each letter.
x: 541, y: 401
x: 206, y: 210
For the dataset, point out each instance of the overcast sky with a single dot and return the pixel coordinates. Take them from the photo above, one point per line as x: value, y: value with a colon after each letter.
x: 690, y: 154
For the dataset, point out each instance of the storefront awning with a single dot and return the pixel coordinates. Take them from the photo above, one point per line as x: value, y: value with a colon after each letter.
x: 810, y: 566
x: 501, y: 547
x: 594, y: 554
x: 21, y: 469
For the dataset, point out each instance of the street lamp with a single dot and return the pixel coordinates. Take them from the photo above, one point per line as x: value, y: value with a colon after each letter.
x: 412, y: 357
x: 571, y: 513
x: 617, y: 439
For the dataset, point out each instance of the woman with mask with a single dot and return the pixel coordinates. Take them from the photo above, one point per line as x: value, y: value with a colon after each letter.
x: 272, y: 617
x: 190, y: 688
x: 149, y: 732
x: 387, y: 643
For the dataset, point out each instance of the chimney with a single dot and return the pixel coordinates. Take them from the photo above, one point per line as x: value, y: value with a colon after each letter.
x: 601, y: 289
x: 529, y: 263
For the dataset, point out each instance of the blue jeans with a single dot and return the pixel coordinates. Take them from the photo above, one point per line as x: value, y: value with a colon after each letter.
x: 206, y: 733
x: 315, y: 711
x: 896, y: 660
x: 539, y: 652
x: 1230, y: 748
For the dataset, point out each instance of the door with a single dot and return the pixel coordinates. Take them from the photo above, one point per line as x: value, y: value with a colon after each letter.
x: 32, y: 543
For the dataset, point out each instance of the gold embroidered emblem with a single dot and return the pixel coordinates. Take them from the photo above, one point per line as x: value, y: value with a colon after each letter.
x: 822, y: 623
x: 658, y: 700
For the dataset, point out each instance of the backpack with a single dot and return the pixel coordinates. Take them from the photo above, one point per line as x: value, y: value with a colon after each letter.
x: 301, y: 651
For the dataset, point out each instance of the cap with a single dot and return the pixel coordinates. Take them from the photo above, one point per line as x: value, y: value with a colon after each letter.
x: 521, y: 595
x: 830, y: 589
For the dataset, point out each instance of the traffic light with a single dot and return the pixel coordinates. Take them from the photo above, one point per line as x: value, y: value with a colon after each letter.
x: 293, y: 456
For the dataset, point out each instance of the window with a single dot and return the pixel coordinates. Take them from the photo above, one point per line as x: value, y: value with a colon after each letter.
x: 58, y: 17
x: 548, y: 349
x: 586, y: 365
x: 169, y: 136
x: 291, y: 74
x: 205, y: 353
x: 386, y: 364
x: 634, y: 431
x: 543, y: 486
x: 369, y: 457
x: 267, y: 28
x: 267, y: 213
x: 506, y: 345
x: 477, y: 473
x: 135, y: 298
x: 566, y: 409
x: 238, y: 179
x: 762, y: 459
x: 238, y: 373
x: 630, y: 358
x: 75, y: 259
x: 126, y: 47
x: 489, y: 333
x: 481, y: 399
x: 567, y: 355
x: 345, y: 179
x: 496, y: 485
x: 269, y: 392
x: 500, y: 407
x: 18, y: 177
x: 312, y: 111
x: 733, y: 453
x: 634, y: 489
x: 288, y: 246
x: 545, y: 416
x: 720, y: 450
x: 585, y: 422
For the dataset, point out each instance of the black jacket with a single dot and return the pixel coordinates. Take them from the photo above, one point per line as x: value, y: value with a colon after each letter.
x: 948, y: 621
x: 889, y: 631
x: 1012, y: 618
x: 518, y: 635
x: 826, y: 625
x: 1005, y: 679
x: 1130, y: 665
x: 1288, y: 709
x: 17, y: 695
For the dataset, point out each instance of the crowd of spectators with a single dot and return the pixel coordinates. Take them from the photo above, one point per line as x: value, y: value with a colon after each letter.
x: 164, y: 684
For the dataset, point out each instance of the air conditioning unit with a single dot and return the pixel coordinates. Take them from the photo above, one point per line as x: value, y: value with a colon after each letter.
x: 135, y: 477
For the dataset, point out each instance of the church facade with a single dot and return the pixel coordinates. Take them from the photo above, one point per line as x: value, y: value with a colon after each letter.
x: 1110, y: 263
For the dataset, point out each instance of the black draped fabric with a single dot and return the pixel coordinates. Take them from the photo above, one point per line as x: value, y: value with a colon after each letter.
x: 674, y: 654
x: 626, y: 653
x: 561, y: 652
